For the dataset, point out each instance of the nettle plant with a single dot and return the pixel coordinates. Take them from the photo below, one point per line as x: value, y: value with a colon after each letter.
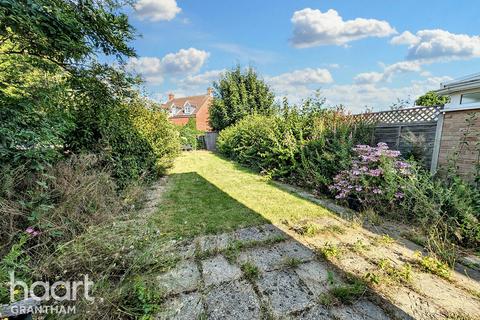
x: 371, y: 180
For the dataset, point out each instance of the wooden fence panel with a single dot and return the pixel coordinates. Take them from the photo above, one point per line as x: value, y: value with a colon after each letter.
x: 211, y: 140
x: 411, y: 131
x: 415, y: 139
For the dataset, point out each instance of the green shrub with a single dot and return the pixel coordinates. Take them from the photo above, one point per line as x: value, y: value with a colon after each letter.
x: 306, y: 146
x: 189, y: 135
x: 447, y: 209
x: 137, y: 141
x: 261, y: 143
x: 239, y: 93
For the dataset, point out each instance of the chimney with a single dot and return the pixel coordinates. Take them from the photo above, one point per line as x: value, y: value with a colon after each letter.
x: 171, y: 96
x: 209, y: 91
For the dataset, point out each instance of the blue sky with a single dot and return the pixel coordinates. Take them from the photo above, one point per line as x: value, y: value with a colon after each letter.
x: 357, y: 52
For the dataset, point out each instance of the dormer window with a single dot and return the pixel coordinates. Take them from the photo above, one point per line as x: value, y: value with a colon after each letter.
x: 187, y: 108
x: 173, y: 110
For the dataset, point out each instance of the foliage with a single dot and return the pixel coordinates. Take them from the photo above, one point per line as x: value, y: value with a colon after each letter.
x: 306, y: 145
x: 137, y: 141
x: 17, y: 261
x: 238, y: 94
x: 446, y: 208
x: 189, y: 135
x: 259, y: 142
x: 367, y: 180
x: 76, y: 141
x: 433, y: 265
x: 349, y: 292
x: 431, y: 99
x: 34, y: 114
x: 65, y: 32
x: 250, y: 270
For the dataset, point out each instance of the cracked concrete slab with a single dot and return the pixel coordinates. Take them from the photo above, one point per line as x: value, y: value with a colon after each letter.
x: 260, y: 233
x: 215, y: 242
x: 217, y: 270
x: 232, y: 300
x: 284, y: 292
x: 182, y: 307
x: 184, y: 277
x: 265, y: 258
x: 314, y: 275
x: 294, y: 249
x: 360, y: 310
x: 317, y: 312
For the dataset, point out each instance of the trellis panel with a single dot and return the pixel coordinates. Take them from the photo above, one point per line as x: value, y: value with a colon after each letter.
x: 410, y: 115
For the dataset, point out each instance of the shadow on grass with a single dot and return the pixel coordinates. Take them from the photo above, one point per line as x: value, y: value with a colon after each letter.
x: 193, y: 206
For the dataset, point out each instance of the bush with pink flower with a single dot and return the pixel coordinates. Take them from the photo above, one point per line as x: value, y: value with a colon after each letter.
x: 370, y: 180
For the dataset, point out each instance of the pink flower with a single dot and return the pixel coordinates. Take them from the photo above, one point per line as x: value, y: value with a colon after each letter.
x: 399, y: 195
x: 31, y: 231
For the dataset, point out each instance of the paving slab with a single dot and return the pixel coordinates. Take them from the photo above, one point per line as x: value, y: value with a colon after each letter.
x: 184, y: 277
x: 452, y: 299
x: 408, y: 304
x: 265, y: 258
x: 314, y: 275
x: 260, y: 233
x: 360, y: 310
x: 232, y: 300
x: 294, y: 249
x: 217, y: 270
x: 284, y: 292
x: 249, y: 234
x: 317, y: 312
x: 272, y: 231
x: 183, y: 307
x: 215, y: 242
x: 187, y: 251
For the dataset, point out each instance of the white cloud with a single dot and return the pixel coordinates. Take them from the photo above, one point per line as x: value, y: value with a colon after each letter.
x: 184, y: 61
x: 438, y: 45
x: 154, y: 69
x: 157, y: 10
x: 200, y: 82
x: 388, y: 72
x: 405, y: 38
x: 368, y: 77
x: 299, y: 84
x: 311, y: 27
x: 303, y: 77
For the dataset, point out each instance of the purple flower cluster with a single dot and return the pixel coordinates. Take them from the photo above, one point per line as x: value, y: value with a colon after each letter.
x: 31, y: 231
x: 366, y: 174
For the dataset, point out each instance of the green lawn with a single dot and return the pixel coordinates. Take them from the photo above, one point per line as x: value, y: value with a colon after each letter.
x: 208, y: 194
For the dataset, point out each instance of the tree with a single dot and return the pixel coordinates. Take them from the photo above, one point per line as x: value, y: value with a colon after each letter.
x: 431, y: 98
x: 50, y: 79
x: 239, y: 93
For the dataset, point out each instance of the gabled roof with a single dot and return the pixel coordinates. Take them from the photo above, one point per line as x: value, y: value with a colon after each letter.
x: 196, y: 103
x: 464, y: 83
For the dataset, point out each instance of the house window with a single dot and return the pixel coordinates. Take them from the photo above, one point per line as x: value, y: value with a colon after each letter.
x: 187, y: 109
x: 473, y: 97
x: 173, y: 111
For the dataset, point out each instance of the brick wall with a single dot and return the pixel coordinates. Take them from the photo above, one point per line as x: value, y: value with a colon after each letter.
x: 455, y: 125
x: 202, y: 117
x: 179, y: 121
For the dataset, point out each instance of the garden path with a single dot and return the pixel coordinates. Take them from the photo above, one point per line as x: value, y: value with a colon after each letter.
x: 312, y: 265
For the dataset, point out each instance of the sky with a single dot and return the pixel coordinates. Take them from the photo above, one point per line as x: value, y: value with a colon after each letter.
x: 358, y: 53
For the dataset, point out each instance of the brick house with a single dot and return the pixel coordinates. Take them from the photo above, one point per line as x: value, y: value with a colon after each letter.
x: 460, y: 121
x: 180, y: 110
